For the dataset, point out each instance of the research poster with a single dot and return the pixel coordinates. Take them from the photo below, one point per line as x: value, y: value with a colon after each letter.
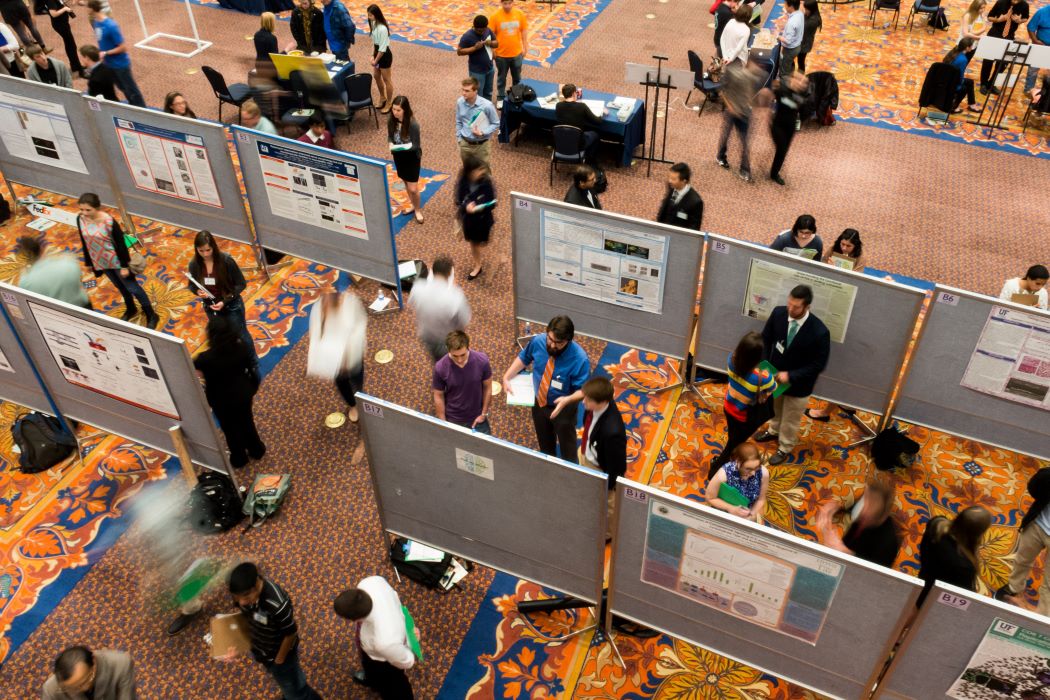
x: 119, y: 365
x: 167, y: 162
x: 1011, y: 662
x: 743, y: 574
x: 1012, y: 358
x: 39, y: 131
x: 768, y: 285
x: 308, y: 187
x: 603, y: 262
x: 5, y: 366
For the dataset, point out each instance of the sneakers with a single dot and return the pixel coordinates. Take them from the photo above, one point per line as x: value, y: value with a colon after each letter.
x: 499, y: 103
x: 723, y: 162
x: 745, y: 176
x: 779, y: 457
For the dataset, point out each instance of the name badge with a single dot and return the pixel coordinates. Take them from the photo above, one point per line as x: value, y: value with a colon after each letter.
x: 682, y: 215
x: 209, y: 281
x: 555, y: 384
x: 780, y: 347
x: 260, y: 618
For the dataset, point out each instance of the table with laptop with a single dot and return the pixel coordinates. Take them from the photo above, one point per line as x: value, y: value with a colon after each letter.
x: 624, y: 124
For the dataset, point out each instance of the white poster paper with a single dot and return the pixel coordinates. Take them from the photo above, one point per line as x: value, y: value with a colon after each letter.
x: 1012, y: 358
x: 1011, y: 663
x: 40, y: 132
x: 768, y: 285
x: 305, y: 186
x: 167, y: 162
x: 474, y: 464
x: 119, y: 365
x: 4, y: 364
x: 603, y: 262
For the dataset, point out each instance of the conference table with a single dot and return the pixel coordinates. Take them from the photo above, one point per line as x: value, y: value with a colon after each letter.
x: 630, y: 133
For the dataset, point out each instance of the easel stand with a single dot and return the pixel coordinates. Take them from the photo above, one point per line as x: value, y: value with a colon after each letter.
x: 1014, y: 56
x: 198, y: 43
x: 659, y: 81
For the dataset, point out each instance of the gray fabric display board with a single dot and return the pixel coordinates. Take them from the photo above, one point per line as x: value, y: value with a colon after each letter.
x: 47, y: 140
x: 932, y: 394
x: 18, y: 379
x: 318, y: 204
x: 950, y: 628
x: 487, y: 500
x: 173, y: 169
x: 120, y: 377
x: 620, y: 279
x: 861, y: 371
x: 802, y: 612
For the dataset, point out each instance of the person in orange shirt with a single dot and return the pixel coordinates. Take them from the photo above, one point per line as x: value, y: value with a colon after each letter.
x: 512, y: 43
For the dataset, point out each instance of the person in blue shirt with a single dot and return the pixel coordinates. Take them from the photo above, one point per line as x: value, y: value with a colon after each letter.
x: 474, y: 136
x: 1039, y: 34
x: 339, y: 28
x: 477, y: 45
x: 114, y: 51
x: 791, y: 37
x: 959, y: 56
x: 559, y: 369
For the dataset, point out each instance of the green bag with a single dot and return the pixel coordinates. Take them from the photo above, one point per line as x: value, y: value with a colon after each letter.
x: 265, y: 497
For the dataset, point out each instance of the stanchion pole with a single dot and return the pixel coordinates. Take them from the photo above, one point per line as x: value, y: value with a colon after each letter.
x: 179, y: 441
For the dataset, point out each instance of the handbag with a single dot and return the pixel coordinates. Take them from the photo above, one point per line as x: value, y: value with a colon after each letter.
x: 714, y: 70
x: 137, y: 262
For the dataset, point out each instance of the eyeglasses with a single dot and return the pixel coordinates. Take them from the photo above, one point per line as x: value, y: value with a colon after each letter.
x: 555, y: 342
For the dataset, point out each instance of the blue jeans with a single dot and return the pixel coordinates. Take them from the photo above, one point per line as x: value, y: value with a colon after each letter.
x: 741, y: 124
x: 128, y: 86
x: 130, y: 290
x: 1030, y: 78
x: 486, y: 81
x: 291, y: 679
x: 502, y: 66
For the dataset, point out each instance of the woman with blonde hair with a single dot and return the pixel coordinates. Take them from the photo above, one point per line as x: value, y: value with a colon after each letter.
x: 972, y: 24
x: 948, y: 551
x: 265, y: 39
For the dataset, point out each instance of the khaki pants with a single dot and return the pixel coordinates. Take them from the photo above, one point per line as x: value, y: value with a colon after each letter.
x: 1030, y: 543
x: 482, y: 150
x: 610, y: 500
x: 788, y: 416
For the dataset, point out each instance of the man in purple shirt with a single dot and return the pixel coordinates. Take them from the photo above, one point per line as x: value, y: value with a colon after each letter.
x: 463, y: 385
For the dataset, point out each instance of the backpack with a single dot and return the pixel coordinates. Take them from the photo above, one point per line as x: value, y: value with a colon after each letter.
x: 265, y: 497
x: 43, y: 442
x: 428, y: 573
x: 215, y: 504
x: 892, y: 449
x: 520, y: 93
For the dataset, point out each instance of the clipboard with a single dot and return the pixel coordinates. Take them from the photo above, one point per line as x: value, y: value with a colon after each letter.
x: 1026, y: 299
x: 842, y: 262
x: 732, y: 496
x: 229, y: 631
x: 780, y: 388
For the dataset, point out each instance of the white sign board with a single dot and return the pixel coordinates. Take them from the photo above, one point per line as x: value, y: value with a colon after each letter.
x: 1012, y: 358
x: 768, y: 285
x: 117, y: 364
x: 167, y: 162
x: 39, y: 131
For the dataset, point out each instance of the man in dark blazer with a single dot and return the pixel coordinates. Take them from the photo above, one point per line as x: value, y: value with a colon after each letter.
x: 581, y: 192
x: 604, y: 444
x: 682, y: 205
x: 81, y: 673
x: 798, y: 344
x: 572, y: 113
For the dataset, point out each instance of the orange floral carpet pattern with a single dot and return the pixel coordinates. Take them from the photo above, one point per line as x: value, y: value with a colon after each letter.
x: 681, y: 434
x: 880, y: 72
x: 55, y: 523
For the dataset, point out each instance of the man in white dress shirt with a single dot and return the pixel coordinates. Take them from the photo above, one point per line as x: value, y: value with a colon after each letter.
x: 381, y: 636
x: 441, y: 307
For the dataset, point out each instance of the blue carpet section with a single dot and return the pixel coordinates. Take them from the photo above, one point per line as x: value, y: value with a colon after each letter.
x: 901, y: 279
x: 425, y: 196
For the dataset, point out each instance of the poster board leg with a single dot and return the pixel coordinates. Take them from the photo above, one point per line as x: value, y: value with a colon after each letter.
x: 11, y: 192
x: 179, y: 441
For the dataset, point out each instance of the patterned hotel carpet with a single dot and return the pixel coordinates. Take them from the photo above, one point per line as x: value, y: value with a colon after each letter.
x: 880, y: 73
x: 670, y: 447
x: 552, y: 27
x: 55, y: 524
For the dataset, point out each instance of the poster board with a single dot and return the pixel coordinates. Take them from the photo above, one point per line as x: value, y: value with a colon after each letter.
x: 317, y: 204
x: 946, y: 642
x: 620, y: 279
x: 934, y: 395
x: 173, y: 169
x: 120, y: 377
x: 862, y: 369
x: 802, y: 612
x: 47, y: 140
x: 487, y: 500
x: 18, y: 379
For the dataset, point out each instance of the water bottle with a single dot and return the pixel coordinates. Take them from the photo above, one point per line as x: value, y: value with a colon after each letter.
x: 382, y: 296
x: 528, y: 329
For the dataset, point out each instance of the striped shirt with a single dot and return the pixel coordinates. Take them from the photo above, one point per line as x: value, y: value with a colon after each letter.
x: 270, y: 620
x: 741, y: 392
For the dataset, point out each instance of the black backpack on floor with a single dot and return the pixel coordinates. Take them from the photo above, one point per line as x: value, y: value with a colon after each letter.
x: 892, y: 449
x: 428, y: 573
x: 215, y: 504
x: 43, y: 442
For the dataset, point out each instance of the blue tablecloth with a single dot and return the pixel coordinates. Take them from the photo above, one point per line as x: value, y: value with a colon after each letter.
x: 630, y: 133
x: 339, y: 78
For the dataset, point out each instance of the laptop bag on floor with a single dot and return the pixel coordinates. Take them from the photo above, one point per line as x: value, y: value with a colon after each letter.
x: 215, y: 504
x: 43, y: 442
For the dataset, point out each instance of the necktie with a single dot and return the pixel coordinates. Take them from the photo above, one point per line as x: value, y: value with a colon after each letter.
x: 587, y: 418
x: 674, y: 197
x: 792, y: 330
x: 545, y: 383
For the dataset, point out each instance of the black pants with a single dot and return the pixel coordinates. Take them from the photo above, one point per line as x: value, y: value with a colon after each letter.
x: 17, y: 15
x: 238, y: 425
x: 965, y: 91
x: 737, y: 432
x: 800, y: 60
x: 552, y: 432
x: 389, y: 681
x: 61, y: 26
x: 590, y: 146
x: 989, y: 69
x: 783, y: 131
x: 349, y: 383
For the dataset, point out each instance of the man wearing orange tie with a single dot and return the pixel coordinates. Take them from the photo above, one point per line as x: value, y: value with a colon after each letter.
x: 560, y: 367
